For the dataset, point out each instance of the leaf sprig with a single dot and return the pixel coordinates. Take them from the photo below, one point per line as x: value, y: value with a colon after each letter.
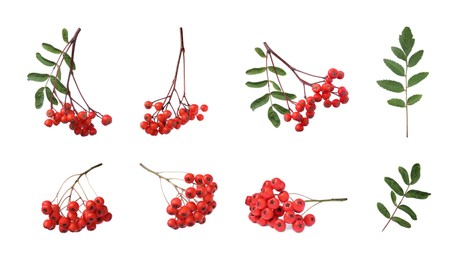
x: 406, y: 41
x: 409, y: 180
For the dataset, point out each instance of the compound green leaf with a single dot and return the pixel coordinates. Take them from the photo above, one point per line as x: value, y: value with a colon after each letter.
x: 65, y: 35
x: 259, y: 102
x: 416, y: 194
x: 37, y: 77
x: 58, y: 85
x: 275, y: 86
x: 401, y: 222
x: 414, y: 99
x: 415, y: 58
x: 277, y: 70
x: 68, y: 59
x: 391, y: 85
x: 394, y: 186
x: 415, y: 79
x: 273, y: 117
x: 255, y: 71
x: 282, y: 110
x: 39, y: 98
x: 51, y: 48
x: 408, y: 211
x: 415, y: 173
x: 393, y: 197
x: 260, y: 52
x: 405, y: 176
x: 258, y: 84
x: 396, y: 102
x: 50, y: 96
x: 44, y: 61
x: 399, y: 53
x: 406, y: 40
x: 395, y: 67
x: 383, y: 210
x: 281, y: 95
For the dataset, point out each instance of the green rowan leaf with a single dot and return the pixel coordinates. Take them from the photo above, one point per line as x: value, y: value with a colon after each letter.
x: 391, y: 85
x: 401, y: 222
x: 255, y: 71
x: 414, y: 99
x: 416, y: 194
x: 415, y: 79
x: 65, y: 35
x: 393, y: 197
x: 406, y: 40
x: 44, y: 61
x: 260, y: 52
x: 68, y: 59
x: 280, y: 95
x: 394, y: 186
x: 51, y: 48
x: 39, y: 98
x: 399, y: 53
x: 405, y: 176
x: 277, y: 70
x: 282, y: 110
x: 58, y: 72
x: 383, y: 210
x: 273, y: 117
x: 58, y: 85
x: 415, y: 173
x: 275, y: 86
x: 259, y: 102
x: 415, y: 58
x: 395, y: 67
x: 396, y: 102
x: 408, y: 211
x: 50, y: 96
x: 37, y: 77
x: 258, y: 84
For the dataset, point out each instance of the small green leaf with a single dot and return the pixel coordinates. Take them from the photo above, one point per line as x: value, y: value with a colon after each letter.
x: 282, y: 110
x: 275, y: 86
x: 58, y: 72
x: 258, y: 84
x: 415, y: 173
x: 415, y: 58
x: 383, y: 210
x: 393, y: 197
x: 281, y: 95
x: 405, y: 176
x: 277, y: 70
x: 255, y: 71
x: 391, y: 85
x: 395, y: 67
x: 413, y: 99
x: 65, y: 35
x: 39, y: 98
x: 406, y: 40
x: 50, y: 96
x: 260, y: 52
x: 394, y: 185
x: 396, y: 102
x: 58, y: 85
x: 273, y: 117
x: 415, y: 79
x: 259, y: 102
x: 408, y: 211
x: 399, y: 53
x: 416, y: 194
x: 50, y: 48
x: 37, y: 77
x: 68, y: 59
x: 401, y: 222
x: 44, y: 61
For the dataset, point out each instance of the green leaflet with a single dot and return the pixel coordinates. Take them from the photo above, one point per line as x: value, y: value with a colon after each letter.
x: 44, y: 61
x: 51, y: 48
x: 396, y: 102
x: 405, y: 176
x: 395, y: 67
x: 391, y: 85
x: 68, y: 59
x: 37, y: 77
x: 39, y: 98
x: 417, y: 194
x: 273, y: 117
x: 259, y: 102
x: 406, y: 40
x: 415, y: 58
x: 275, y: 86
x: 383, y: 210
x: 415, y: 173
x: 58, y: 85
x: 260, y: 52
x: 393, y: 197
x: 281, y: 96
x: 282, y: 110
x: 414, y: 99
x: 50, y: 96
x: 415, y: 79
x: 277, y: 70
x: 408, y: 211
x: 65, y: 35
x: 399, y: 53
x: 394, y: 186
x: 258, y: 84
x: 401, y: 222
x: 255, y: 71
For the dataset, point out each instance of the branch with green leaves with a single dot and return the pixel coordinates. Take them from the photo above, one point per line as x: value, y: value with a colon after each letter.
x: 409, y: 180
x: 406, y: 41
x: 321, y: 86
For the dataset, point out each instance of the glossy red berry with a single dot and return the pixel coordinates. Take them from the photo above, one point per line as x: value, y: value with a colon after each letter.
x: 148, y: 104
x: 106, y: 120
x: 309, y: 220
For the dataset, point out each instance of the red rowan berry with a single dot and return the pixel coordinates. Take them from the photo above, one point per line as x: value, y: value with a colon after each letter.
x: 309, y: 220
x: 204, y: 108
x: 279, y: 225
x: 148, y: 104
x: 287, y: 117
x: 298, y: 226
x: 106, y: 120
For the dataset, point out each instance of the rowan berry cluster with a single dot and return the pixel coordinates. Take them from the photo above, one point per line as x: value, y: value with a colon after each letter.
x: 192, y: 204
x: 74, y: 214
x: 273, y: 206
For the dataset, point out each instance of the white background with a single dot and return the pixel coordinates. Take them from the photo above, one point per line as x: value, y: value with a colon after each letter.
x: 126, y: 54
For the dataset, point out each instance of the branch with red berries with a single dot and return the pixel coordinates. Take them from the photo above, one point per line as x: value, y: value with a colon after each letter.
x: 302, y: 110
x: 65, y: 106
x: 72, y: 210
x: 174, y: 110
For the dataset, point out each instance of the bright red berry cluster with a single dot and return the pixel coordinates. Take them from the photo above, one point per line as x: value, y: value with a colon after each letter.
x: 192, y: 204
x: 74, y: 214
x: 322, y: 92
x: 163, y: 120
x: 76, y: 219
x: 81, y: 123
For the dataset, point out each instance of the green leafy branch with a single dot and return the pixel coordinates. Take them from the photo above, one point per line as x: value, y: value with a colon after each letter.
x: 406, y: 41
x: 409, y: 180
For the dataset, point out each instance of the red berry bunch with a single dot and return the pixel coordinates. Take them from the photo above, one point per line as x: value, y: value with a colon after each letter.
x: 64, y: 108
x: 302, y: 110
x: 172, y: 111
x: 192, y: 204
x: 274, y: 206
x: 75, y: 214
